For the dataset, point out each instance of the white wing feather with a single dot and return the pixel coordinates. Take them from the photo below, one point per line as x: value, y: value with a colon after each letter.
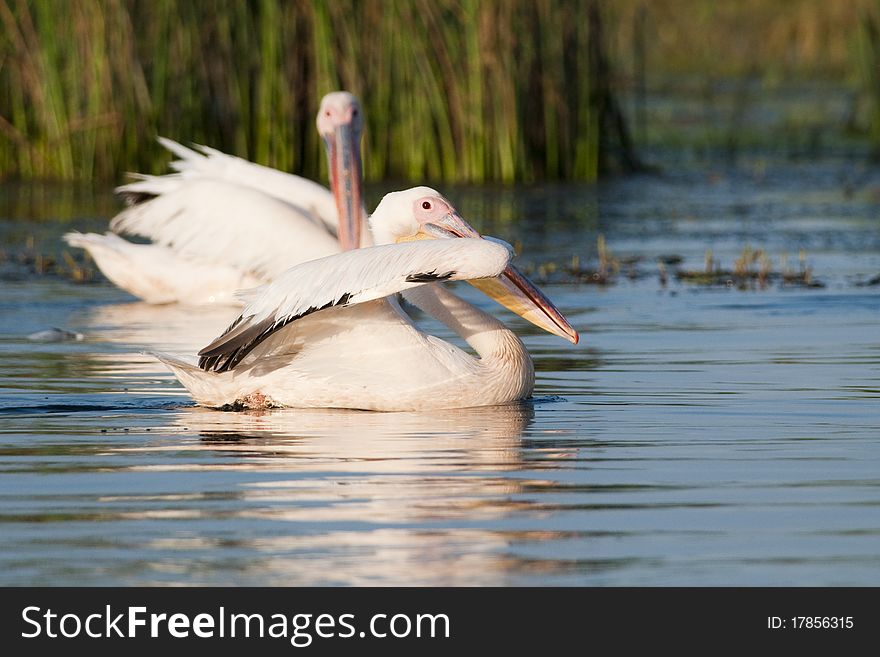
x: 377, y: 272
x: 159, y: 275
x: 211, y: 164
x: 227, y: 223
x: 350, y: 278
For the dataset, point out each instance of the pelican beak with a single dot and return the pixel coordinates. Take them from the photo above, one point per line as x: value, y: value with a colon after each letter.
x: 517, y: 293
x: 511, y: 289
x: 450, y: 225
x: 344, y: 159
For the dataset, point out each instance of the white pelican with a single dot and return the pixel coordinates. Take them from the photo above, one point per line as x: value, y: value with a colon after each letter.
x: 222, y: 223
x: 330, y: 334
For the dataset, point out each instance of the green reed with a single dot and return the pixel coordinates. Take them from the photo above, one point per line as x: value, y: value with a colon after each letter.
x: 868, y: 58
x: 455, y: 90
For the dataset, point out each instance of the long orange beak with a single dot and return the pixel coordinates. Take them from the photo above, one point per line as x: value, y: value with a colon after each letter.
x: 346, y: 182
x: 517, y: 293
x: 511, y: 289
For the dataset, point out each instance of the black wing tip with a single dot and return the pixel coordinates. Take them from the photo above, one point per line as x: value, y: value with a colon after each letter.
x: 222, y: 356
x: 429, y: 277
x: 216, y: 347
x: 221, y: 362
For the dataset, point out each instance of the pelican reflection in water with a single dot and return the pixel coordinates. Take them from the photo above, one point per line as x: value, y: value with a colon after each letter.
x: 338, y: 496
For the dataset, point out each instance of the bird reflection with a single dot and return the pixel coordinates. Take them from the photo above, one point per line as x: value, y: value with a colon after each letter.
x: 484, y: 437
x: 359, y: 497
x: 123, y: 334
x: 171, y: 328
x: 362, y: 466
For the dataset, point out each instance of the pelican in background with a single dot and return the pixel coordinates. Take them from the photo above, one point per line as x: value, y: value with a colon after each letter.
x: 330, y: 333
x: 222, y: 223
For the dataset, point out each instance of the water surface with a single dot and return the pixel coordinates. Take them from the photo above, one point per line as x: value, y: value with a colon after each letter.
x: 696, y: 436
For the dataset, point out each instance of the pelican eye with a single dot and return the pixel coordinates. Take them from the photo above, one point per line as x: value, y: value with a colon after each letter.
x: 426, y: 205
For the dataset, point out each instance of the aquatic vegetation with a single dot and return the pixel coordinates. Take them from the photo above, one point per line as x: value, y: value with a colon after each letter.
x: 752, y: 270
x: 773, y: 39
x: 24, y: 261
x: 712, y: 79
x: 869, y: 59
x: 608, y: 266
x: 458, y: 90
x: 603, y: 273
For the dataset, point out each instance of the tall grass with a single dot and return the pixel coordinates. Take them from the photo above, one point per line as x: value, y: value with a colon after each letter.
x: 456, y: 90
x: 869, y: 59
x: 780, y: 39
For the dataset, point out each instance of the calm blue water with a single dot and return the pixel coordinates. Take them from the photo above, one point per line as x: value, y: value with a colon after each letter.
x: 696, y: 436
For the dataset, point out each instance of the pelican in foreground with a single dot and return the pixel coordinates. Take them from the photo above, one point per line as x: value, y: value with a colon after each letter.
x: 330, y: 333
x: 222, y: 223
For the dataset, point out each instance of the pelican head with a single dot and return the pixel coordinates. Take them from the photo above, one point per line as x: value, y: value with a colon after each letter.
x: 340, y: 123
x: 423, y: 213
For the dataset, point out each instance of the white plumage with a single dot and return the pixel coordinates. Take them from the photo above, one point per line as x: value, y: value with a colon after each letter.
x: 374, y: 273
x: 329, y: 333
x: 231, y: 225
x: 156, y: 274
x: 221, y: 223
x: 205, y: 163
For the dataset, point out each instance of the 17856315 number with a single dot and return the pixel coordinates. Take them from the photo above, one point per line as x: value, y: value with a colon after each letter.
x: 810, y: 623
